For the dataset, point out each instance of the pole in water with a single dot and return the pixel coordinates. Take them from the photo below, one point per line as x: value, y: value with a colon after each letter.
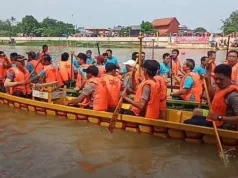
x: 98, y: 48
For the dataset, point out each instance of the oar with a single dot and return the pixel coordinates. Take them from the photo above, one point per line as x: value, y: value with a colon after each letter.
x: 34, y: 69
x: 228, y: 46
x: 222, y: 155
x: 153, y: 49
x: 171, y: 76
x: 98, y: 48
x: 140, y: 52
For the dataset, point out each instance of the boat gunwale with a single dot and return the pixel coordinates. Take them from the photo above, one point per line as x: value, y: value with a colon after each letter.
x: 126, y: 118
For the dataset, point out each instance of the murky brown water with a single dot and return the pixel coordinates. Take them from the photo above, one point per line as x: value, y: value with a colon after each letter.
x: 36, y: 146
x: 121, y: 54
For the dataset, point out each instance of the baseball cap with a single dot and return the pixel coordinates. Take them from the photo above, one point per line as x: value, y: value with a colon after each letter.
x: 88, y: 52
x: 151, y: 65
x: 130, y: 62
x: 32, y: 54
x: 111, y: 67
x: 20, y: 58
x: 100, y: 58
x: 92, y: 70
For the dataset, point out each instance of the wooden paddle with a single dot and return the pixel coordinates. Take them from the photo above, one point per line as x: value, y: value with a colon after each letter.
x: 98, y: 48
x: 171, y: 76
x: 116, y: 112
x: 228, y: 46
x: 140, y: 37
x: 153, y: 49
x: 222, y: 155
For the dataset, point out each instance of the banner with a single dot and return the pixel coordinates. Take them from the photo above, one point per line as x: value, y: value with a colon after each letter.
x: 191, y: 39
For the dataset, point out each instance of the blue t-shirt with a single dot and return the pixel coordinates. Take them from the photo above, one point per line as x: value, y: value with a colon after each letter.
x: 90, y: 60
x: 75, y: 62
x: 200, y: 70
x: 164, y: 69
x: 124, y: 71
x: 112, y: 60
x: 31, y: 68
x: 188, y: 84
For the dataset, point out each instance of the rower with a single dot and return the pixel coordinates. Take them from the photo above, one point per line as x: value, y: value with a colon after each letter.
x: 100, y: 65
x: 212, y: 59
x: 105, y: 57
x: 81, y: 77
x: 65, y: 69
x: 13, y: 57
x: 111, y: 59
x: 163, y: 94
x: 45, y: 50
x: 224, y: 107
x: 133, y: 57
x: 95, y: 91
x: 33, y: 66
x: 176, y: 66
x: 114, y: 86
x: 5, y: 64
x: 50, y: 73
x: 232, y: 59
x: 201, y: 70
x: 165, y: 66
x: 147, y: 98
x: 17, y: 82
x: 190, y: 84
x: 90, y: 60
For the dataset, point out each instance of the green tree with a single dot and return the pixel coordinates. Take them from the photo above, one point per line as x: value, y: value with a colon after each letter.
x: 12, y: 19
x: 28, y: 25
x: 230, y: 24
x: 200, y: 30
x: 147, y: 28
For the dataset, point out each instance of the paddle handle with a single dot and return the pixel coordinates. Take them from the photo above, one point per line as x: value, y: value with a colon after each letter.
x: 153, y: 49
x: 213, y: 122
x: 98, y: 47
x: 228, y: 46
x: 72, y: 67
x: 171, y: 76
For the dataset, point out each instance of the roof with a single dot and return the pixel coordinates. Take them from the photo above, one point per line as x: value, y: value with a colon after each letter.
x: 101, y: 29
x: 163, y: 22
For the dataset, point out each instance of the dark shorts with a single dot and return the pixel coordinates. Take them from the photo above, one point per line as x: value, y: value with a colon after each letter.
x: 20, y: 94
x: 2, y: 88
x: 199, y: 120
x: 127, y: 112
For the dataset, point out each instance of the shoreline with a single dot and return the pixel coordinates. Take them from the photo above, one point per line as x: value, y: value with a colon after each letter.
x: 113, y: 44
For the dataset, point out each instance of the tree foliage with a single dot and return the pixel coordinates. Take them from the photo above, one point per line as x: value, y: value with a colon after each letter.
x: 230, y: 24
x: 147, y: 28
x: 200, y: 30
x: 29, y: 26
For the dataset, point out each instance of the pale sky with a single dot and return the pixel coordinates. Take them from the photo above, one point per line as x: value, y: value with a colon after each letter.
x: 109, y: 13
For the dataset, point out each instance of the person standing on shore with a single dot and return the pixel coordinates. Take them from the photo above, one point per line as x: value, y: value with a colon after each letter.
x: 112, y: 59
x: 176, y: 65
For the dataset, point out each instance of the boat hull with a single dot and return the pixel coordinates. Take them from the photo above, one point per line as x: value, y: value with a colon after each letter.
x: 173, y: 128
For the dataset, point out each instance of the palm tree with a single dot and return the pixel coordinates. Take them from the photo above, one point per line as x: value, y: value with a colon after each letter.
x: 12, y: 19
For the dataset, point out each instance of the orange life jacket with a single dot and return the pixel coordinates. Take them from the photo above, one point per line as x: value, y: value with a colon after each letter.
x: 196, y: 90
x: 219, y: 105
x: 100, y: 94
x: 152, y: 110
x: 102, y: 70
x: 2, y: 70
x: 20, y: 77
x: 163, y: 92
x: 234, y: 75
x: 42, y: 54
x: 213, y: 66
x: 80, y: 78
x: 65, y: 70
x: 114, y: 87
x: 37, y: 66
x: 176, y: 66
x: 52, y: 74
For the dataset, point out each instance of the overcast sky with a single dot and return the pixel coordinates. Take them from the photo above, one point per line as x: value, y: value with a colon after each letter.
x: 109, y: 13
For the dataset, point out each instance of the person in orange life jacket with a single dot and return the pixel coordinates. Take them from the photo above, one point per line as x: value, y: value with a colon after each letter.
x: 45, y: 50
x: 5, y: 64
x: 163, y: 94
x: 65, y: 69
x: 18, y: 81
x: 212, y: 59
x: 190, y: 84
x: 50, y: 72
x: 13, y: 57
x: 33, y: 65
x: 81, y: 77
x: 114, y: 86
x: 147, y: 98
x: 95, y: 90
x: 224, y: 107
x: 100, y: 65
x: 176, y: 65
x: 232, y: 60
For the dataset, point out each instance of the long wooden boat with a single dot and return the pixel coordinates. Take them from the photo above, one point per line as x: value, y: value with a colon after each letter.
x: 173, y: 128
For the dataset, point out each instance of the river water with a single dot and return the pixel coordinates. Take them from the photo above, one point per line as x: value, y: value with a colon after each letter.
x: 37, y: 146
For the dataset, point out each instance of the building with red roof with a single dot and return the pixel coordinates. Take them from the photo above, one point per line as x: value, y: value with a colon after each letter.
x: 166, y: 26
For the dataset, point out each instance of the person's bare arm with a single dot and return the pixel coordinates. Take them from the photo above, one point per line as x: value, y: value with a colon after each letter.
x: 76, y: 101
x: 8, y: 83
x: 140, y: 105
x: 180, y: 92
